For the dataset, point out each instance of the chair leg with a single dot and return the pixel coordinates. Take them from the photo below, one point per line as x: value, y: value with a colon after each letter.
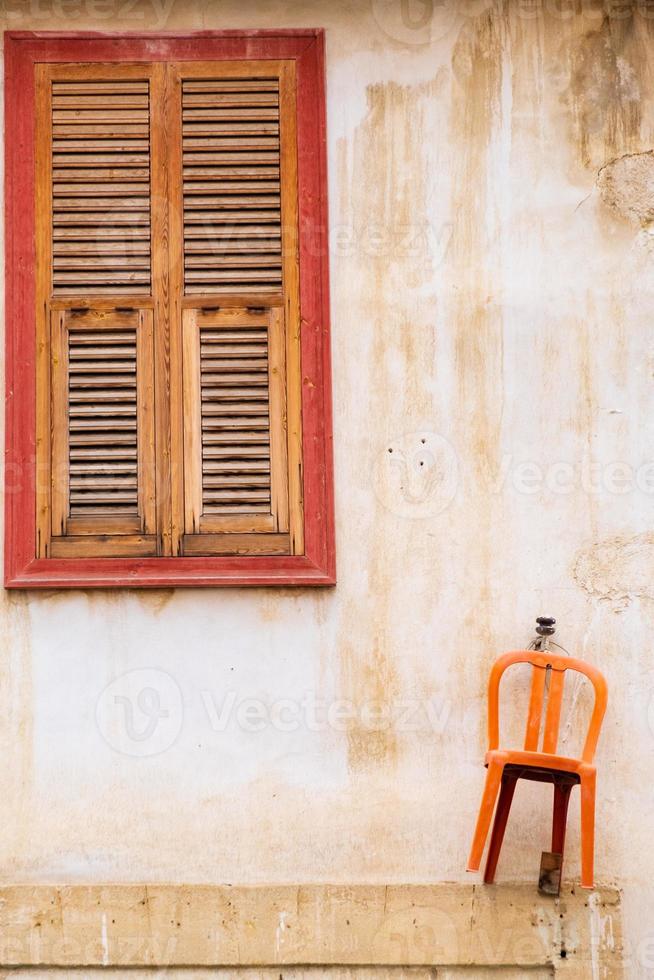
x: 560, y: 815
x: 489, y: 796
x: 587, y: 828
x: 499, y: 826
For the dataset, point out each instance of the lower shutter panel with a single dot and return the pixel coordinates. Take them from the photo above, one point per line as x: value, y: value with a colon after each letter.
x: 102, y: 434
x: 235, y: 454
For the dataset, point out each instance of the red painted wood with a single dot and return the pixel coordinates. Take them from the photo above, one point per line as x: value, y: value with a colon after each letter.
x: 20, y: 516
x: 499, y: 826
x: 22, y: 569
x: 156, y: 572
x: 314, y: 306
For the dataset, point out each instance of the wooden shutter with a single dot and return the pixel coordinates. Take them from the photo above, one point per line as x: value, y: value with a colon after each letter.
x: 240, y: 323
x: 95, y: 425
x: 169, y: 389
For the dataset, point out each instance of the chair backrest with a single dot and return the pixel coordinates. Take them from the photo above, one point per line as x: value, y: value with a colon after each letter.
x: 557, y: 665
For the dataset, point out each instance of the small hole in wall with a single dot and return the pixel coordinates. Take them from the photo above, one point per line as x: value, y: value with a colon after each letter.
x: 564, y: 953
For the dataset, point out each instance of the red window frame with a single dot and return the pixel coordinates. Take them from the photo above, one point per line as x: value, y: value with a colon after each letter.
x: 22, y: 569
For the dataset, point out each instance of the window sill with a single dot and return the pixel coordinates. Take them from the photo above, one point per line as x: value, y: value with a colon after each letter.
x: 137, y: 573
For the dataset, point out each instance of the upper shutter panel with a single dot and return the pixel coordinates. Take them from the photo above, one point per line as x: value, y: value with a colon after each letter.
x: 231, y: 186
x: 100, y: 187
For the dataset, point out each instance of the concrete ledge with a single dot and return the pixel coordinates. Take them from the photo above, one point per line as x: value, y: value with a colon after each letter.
x: 449, y: 925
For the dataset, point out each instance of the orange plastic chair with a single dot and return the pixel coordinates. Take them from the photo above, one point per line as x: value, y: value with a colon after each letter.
x: 506, y: 766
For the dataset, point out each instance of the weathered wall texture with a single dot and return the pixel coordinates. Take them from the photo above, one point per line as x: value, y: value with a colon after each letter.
x: 491, y: 177
x: 450, y: 927
x: 306, y: 973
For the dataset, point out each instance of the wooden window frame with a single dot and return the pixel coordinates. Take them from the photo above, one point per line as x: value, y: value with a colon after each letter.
x: 316, y: 565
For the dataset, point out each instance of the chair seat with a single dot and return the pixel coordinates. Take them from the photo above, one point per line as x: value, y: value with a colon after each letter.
x: 538, y: 760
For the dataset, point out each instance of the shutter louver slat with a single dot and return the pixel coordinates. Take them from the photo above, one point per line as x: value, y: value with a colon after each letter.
x: 231, y: 186
x: 100, y: 187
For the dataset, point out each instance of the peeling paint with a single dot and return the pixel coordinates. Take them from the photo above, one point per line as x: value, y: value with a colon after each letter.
x: 601, y: 934
x: 618, y: 569
x: 279, y: 932
x: 627, y: 186
x: 104, y: 941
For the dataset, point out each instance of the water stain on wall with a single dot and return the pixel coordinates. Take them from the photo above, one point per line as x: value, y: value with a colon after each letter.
x: 477, y: 68
x: 609, y: 70
x: 475, y: 277
x: 156, y: 599
x: 392, y: 269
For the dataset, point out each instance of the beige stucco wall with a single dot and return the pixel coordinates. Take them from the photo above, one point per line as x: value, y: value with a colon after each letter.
x: 492, y: 313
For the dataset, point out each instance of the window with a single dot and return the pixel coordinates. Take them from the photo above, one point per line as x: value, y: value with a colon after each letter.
x: 168, y: 399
